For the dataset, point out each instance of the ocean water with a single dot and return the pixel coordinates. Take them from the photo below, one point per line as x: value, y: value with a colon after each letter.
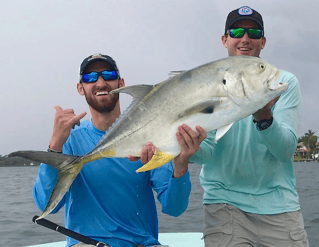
x: 17, y: 207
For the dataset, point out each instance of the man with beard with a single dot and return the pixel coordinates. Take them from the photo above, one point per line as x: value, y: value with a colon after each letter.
x: 108, y: 201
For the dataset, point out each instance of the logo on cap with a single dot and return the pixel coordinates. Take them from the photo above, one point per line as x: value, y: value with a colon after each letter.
x: 95, y: 56
x: 245, y: 11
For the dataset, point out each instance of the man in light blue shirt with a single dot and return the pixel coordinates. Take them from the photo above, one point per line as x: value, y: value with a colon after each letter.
x: 250, y: 196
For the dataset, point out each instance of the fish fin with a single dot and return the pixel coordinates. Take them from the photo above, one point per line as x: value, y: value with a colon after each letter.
x: 68, y: 167
x: 53, y: 159
x: 65, y: 180
x: 222, y: 131
x: 138, y: 92
x: 159, y: 159
x: 206, y: 107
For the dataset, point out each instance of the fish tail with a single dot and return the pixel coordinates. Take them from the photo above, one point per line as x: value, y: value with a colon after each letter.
x: 66, y: 177
x: 158, y: 159
x: 50, y: 158
x: 68, y: 167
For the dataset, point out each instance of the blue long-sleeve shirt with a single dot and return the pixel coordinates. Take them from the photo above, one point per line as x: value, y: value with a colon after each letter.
x: 108, y: 200
x: 253, y: 170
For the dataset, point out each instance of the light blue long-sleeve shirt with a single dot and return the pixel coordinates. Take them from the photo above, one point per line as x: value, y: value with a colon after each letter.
x: 110, y: 202
x: 253, y: 170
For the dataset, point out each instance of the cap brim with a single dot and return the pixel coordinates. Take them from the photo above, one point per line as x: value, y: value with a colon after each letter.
x: 245, y: 18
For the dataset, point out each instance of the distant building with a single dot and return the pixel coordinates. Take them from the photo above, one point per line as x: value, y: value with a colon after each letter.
x: 301, y: 150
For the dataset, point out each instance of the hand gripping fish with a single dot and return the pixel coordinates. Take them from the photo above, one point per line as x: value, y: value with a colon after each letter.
x: 213, y: 96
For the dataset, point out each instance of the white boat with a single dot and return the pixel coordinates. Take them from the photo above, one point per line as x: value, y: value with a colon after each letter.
x: 180, y: 239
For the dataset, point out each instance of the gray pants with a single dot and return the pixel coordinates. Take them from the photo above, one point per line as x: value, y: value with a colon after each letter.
x: 228, y: 226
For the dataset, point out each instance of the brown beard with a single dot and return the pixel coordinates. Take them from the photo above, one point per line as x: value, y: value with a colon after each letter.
x: 103, y: 107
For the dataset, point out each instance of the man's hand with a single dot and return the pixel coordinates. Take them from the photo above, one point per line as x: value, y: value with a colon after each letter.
x: 64, y: 121
x: 146, y: 154
x: 265, y: 112
x: 189, y: 142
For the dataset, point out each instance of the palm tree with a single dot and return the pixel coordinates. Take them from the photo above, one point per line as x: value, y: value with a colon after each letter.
x: 310, y: 140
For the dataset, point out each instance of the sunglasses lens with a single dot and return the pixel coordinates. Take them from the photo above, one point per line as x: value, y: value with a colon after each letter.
x: 109, y: 75
x: 254, y: 33
x: 236, y: 33
x: 91, y: 77
x: 239, y: 33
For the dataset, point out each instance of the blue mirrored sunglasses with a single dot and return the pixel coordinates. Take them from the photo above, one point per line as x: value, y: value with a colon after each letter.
x: 107, y: 75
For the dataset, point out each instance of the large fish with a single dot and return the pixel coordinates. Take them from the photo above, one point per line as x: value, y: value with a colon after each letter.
x: 214, y: 96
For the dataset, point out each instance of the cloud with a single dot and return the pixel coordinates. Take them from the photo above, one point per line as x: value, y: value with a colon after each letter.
x: 43, y: 44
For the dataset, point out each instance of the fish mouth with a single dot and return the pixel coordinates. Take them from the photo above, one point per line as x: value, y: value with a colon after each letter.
x: 273, y: 82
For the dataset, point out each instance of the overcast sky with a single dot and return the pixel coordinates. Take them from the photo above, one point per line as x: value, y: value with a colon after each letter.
x: 44, y: 42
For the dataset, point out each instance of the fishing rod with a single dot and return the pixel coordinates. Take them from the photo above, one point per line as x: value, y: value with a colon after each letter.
x: 67, y: 232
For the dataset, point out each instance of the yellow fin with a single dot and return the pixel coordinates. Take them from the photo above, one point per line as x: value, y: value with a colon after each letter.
x: 159, y: 159
x: 97, y: 156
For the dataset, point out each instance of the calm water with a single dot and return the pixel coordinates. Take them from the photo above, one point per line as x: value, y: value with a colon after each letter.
x: 17, y: 207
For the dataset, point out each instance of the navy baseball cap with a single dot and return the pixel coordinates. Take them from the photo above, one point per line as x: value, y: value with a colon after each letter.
x: 243, y: 13
x: 98, y: 57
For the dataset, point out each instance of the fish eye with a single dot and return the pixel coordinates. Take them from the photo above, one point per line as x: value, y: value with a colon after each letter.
x: 262, y: 67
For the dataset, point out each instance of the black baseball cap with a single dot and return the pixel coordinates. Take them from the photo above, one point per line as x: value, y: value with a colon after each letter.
x: 98, y: 57
x: 243, y: 13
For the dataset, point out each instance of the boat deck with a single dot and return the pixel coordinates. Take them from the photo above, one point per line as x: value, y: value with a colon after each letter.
x: 180, y: 239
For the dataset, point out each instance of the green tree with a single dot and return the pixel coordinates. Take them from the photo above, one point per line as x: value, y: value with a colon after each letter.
x: 310, y: 140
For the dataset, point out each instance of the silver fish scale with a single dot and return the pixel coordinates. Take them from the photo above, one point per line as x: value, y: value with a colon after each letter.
x: 154, y: 115
x: 214, y: 96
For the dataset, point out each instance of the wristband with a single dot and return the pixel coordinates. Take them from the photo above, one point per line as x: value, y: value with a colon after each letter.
x: 53, y: 151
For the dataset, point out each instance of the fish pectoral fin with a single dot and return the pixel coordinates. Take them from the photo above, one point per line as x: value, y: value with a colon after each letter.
x: 158, y: 159
x: 138, y: 92
x: 206, y: 107
x: 222, y: 131
x: 65, y: 180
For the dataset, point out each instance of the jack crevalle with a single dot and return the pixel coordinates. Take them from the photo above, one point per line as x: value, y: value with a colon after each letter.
x: 214, y: 96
